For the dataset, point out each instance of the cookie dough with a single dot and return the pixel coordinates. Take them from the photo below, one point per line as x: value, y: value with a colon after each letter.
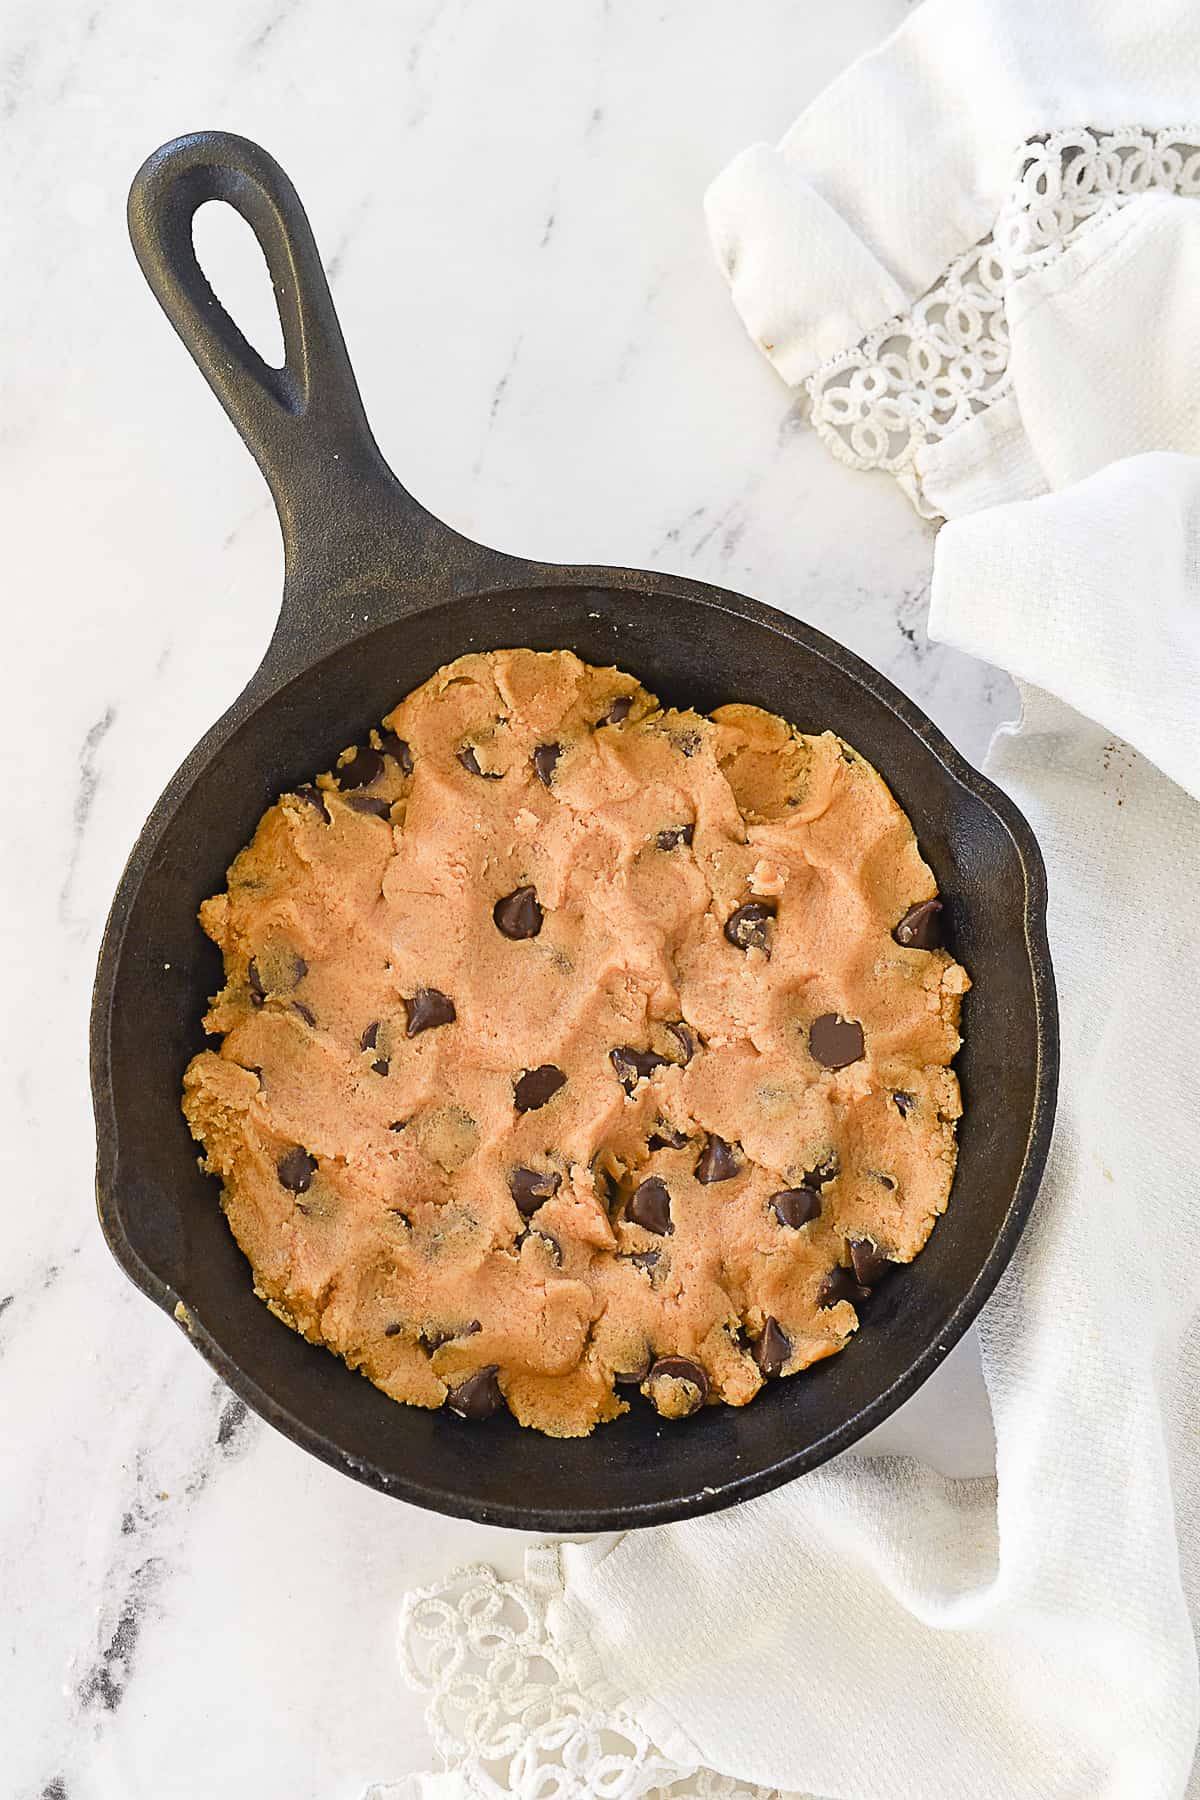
x: 572, y: 1045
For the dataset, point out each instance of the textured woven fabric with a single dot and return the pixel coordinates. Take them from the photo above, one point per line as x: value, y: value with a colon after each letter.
x: 911, y: 153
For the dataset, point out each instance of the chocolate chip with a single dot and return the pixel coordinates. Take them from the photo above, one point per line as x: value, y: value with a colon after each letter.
x: 631, y: 1065
x: 470, y: 762
x: 645, y: 1259
x: 367, y: 803
x: 518, y: 914
x: 682, y: 1369
x: 835, y: 1042
x: 903, y: 1103
x: 795, y: 1207
x: 479, y: 1396
x: 686, y: 742
x: 536, y: 1086
x: 686, y: 1038
x: 666, y: 1139
x: 840, y: 1284
x: 650, y: 1207
x: 531, y: 1187
x: 258, y: 988
x: 299, y: 1007
x: 552, y: 1243
x: 827, y: 1170
x: 428, y: 1008
x: 868, y: 1259
x: 748, y: 926
x: 921, y: 927
x: 394, y: 1329
x: 398, y: 749
x: 718, y: 1162
x: 544, y: 759
x: 607, y: 1186
x: 635, y: 1377
x: 671, y: 840
x: 886, y: 1181
x: 381, y: 1065
x: 370, y: 1036
x: 446, y: 1334
x: 617, y: 711
x: 398, y: 1125
x: 364, y: 767
x: 312, y: 796
x: 295, y: 1170
x: 772, y: 1349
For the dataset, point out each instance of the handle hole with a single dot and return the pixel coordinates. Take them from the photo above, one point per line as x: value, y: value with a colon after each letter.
x: 232, y: 259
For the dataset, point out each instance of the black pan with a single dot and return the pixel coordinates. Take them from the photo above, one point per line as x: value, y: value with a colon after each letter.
x: 377, y: 595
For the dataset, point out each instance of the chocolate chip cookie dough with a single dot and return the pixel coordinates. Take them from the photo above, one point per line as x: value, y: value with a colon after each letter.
x: 572, y: 1045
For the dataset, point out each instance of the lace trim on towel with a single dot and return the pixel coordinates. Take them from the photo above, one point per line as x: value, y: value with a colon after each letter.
x: 505, y: 1711
x: 919, y: 377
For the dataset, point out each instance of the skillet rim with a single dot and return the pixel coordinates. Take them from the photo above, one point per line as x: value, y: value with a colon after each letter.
x: 615, y: 584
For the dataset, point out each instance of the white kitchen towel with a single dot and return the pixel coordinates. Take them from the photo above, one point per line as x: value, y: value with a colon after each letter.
x: 876, y: 1631
x: 873, y: 254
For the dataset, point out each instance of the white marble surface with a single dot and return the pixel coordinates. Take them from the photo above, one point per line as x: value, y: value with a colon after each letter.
x: 508, y: 194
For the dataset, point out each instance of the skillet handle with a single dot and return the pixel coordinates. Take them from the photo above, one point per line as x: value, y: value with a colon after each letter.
x: 348, y: 525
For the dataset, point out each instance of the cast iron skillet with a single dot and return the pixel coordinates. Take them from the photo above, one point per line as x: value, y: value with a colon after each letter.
x: 377, y: 595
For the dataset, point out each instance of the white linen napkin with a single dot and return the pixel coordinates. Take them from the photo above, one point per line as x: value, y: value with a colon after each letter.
x: 876, y: 1631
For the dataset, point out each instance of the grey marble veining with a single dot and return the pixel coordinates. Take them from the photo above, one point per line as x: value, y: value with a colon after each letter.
x: 508, y: 198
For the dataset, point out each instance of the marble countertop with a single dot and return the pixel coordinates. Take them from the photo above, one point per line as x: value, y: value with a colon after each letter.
x: 509, y: 199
